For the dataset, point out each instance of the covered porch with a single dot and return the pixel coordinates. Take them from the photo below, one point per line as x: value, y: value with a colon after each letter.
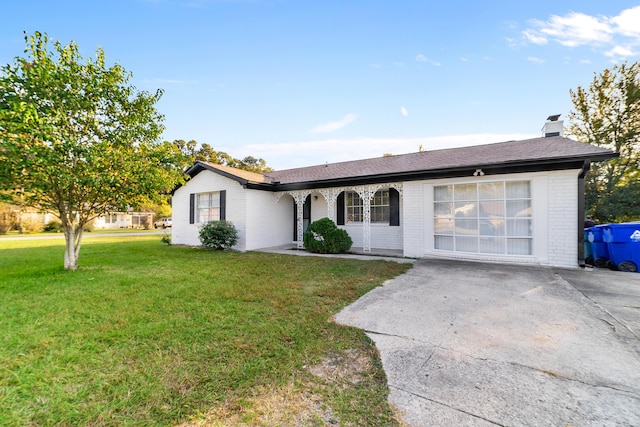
x: 369, y: 236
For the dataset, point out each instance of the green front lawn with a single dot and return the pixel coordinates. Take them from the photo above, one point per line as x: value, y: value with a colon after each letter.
x: 148, y: 334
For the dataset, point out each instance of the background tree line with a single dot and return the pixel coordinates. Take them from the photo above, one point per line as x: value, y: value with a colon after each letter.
x: 607, y: 114
x: 193, y: 151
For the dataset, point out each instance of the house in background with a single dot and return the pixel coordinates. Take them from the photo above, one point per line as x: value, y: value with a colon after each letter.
x: 124, y: 220
x: 517, y: 201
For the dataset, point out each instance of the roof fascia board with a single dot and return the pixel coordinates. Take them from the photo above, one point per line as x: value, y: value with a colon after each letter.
x: 199, y: 167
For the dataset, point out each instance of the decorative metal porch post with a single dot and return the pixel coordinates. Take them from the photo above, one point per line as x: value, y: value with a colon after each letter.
x: 366, y: 193
x: 330, y: 195
x: 299, y: 197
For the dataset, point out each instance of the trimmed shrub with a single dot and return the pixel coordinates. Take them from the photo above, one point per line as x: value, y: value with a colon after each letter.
x: 166, y: 238
x: 88, y: 227
x: 218, y: 235
x: 324, y: 237
x: 29, y: 224
x: 53, y: 226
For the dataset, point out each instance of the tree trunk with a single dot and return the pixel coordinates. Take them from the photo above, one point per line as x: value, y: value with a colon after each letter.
x: 72, y: 237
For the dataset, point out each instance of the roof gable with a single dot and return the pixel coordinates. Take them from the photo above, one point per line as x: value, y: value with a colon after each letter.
x: 242, y: 176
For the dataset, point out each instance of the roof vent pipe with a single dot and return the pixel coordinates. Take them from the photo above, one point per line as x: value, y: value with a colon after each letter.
x: 553, y: 126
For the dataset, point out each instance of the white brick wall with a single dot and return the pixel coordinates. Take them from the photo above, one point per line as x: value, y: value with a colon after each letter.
x: 187, y: 234
x: 383, y: 236
x: 555, y: 207
x: 415, y: 223
x: 319, y: 208
x: 563, y: 218
x: 271, y: 220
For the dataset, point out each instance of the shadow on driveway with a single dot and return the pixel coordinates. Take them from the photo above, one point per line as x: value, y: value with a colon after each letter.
x: 485, y: 344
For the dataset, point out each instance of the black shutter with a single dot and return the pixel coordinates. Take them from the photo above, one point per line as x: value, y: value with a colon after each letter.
x: 340, y: 209
x: 394, y: 207
x: 192, y: 208
x: 223, y: 205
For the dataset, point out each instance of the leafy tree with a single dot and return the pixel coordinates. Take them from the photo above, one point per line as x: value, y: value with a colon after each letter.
x: 607, y: 114
x: 207, y: 153
x: 78, y: 139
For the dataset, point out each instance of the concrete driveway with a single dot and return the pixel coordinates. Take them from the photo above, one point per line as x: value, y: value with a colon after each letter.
x: 483, y: 344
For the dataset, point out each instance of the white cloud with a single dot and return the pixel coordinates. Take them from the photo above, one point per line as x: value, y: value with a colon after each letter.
x: 619, y: 51
x: 628, y: 22
x: 585, y: 61
x: 535, y: 60
x: 534, y: 37
x: 333, y: 126
x: 613, y: 36
x: 577, y: 29
x: 404, y: 111
x: 288, y: 155
x: 422, y: 58
x: 463, y: 59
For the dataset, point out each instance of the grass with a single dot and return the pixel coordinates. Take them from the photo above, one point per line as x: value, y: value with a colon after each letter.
x: 15, y: 233
x: 149, y: 334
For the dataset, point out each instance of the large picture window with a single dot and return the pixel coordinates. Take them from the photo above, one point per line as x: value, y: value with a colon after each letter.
x: 487, y: 218
x: 208, y: 207
x: 379, y: 207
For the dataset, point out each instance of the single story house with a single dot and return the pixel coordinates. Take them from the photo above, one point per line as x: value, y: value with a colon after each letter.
x: 124, y: 220
x: 516, y: 201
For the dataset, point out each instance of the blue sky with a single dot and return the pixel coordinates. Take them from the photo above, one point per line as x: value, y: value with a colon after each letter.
x: 303, y: 82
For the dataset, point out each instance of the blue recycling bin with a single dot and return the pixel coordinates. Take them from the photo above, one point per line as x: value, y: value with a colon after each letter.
x: 599, y: 248
x: 623, y: 242
x: 588, y: 252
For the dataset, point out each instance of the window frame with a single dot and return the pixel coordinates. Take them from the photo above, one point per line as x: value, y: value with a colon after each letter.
x: 200, y: 217
x: 462, y: 224
x: 354, y: 212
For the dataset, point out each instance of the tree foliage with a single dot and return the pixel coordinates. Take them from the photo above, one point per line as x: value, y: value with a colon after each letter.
x: 607, y: 114
x: 77, y: 139
x: 193, y: 151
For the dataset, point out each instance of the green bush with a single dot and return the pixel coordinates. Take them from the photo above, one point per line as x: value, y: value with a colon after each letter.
x: 324, y: 237
x: 218, y: 235
x: 166, y: 238
x: 53, y: 226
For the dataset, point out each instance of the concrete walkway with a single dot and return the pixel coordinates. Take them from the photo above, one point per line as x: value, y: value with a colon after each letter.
x: 484, y: 344
x: 394, y: 256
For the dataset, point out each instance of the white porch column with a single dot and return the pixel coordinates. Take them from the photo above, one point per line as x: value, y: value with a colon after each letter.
x: 330, y: 195
x: 299, y: 197
x: 366, y: 193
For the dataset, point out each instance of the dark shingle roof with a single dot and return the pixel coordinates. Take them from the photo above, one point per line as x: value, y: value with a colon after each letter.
x: 512, y: 152
x: 503, y: 157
